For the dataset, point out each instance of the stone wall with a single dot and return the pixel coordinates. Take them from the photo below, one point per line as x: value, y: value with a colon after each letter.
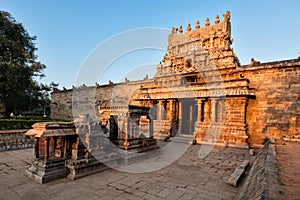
x: 15, y: 139
x: 275, y: 110
x: 101, y: 95
x: 262, y: 181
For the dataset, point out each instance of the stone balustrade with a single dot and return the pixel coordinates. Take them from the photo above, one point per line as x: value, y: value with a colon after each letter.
x: 15, y: 139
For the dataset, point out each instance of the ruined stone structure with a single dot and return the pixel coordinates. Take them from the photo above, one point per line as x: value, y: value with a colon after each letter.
x: 201, y: 89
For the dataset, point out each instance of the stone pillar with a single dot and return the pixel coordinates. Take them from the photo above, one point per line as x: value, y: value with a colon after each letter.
x: 160, y: 110
x: 46, y: 140
x: 199, y: 103
x: 170, y: 111
x: 66, y: 143
x: 213, y: 110
x: 207, y: 111
x: 36, y: 147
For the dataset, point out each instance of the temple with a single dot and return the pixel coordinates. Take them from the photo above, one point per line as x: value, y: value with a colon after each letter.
x: 200, y: 90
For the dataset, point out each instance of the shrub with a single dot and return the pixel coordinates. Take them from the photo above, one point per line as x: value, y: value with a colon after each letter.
x: 25, y: 122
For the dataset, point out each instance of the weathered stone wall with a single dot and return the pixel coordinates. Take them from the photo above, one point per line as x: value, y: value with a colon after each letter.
x: 101, y: 95
x: 15, y: 139
x: 273, y: 113
x: 61, y: 104
x: 275, y: 110
x: 262, y: 181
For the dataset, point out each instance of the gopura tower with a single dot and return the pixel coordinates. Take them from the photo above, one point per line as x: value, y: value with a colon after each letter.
x: 192, y: 84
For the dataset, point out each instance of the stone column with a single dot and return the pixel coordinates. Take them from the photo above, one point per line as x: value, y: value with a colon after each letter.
x: 207, y: 111
x: 213, y: 110
x: 36, y: 147
x: 160, y: 110
x: 46, y: 140
x: 65, y: 147
x: 199, y: 103
x: 170, y: 111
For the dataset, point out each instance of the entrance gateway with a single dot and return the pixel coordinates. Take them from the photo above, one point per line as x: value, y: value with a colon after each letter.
x: 190, y: 91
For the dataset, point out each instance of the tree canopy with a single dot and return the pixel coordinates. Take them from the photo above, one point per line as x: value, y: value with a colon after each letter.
x: 19, y: 68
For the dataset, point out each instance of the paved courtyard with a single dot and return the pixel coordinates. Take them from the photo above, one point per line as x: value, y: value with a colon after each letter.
x: 288, y: 157
x: 189, y: 177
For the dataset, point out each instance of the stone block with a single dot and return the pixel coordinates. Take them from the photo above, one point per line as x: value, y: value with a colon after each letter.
x: 251, y: 152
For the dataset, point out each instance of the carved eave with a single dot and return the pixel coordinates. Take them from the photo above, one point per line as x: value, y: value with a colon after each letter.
x: 50, y: 129
x: 218, y: 89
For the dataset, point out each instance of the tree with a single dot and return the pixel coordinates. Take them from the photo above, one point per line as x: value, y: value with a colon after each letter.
x: 19, y: 67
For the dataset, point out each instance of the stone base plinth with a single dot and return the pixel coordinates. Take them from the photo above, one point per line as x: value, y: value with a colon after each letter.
x: 45, y: 171
x: 239, y: 141
x: 222, y: 134
x: 81, y: 168
x: 138, y: 145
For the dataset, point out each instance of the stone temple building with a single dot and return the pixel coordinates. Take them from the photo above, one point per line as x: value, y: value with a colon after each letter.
x: 199, y: 89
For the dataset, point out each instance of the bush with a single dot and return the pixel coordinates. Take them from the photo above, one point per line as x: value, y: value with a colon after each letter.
x: 25, y: 122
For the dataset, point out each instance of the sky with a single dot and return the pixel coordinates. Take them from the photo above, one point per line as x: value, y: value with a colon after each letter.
x: 69, y: 31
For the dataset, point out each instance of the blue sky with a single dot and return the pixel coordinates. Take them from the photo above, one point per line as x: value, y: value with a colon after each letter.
x: 68, y: 31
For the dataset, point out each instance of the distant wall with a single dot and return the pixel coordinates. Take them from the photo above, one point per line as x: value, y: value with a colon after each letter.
x: 105, y: 95
x: 15, y: 139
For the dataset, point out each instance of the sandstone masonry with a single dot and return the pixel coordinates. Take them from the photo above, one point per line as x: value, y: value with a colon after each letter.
x: 200, y: 89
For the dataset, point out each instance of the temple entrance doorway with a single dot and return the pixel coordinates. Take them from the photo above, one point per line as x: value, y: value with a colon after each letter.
x: 187, y: 115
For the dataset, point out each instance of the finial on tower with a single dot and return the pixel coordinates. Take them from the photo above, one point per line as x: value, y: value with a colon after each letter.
x: 180, y: 29
x: 174, y: 30
x: 217, y: 20
x: 207, y: 23
x: 226, y: 15
x: 197, y: 25
x: 189, y: 27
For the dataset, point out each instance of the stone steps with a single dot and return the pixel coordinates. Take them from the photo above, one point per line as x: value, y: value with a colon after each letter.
x: 183, y: 138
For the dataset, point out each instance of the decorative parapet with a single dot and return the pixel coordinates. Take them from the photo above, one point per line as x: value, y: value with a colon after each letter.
x: 208, y: 36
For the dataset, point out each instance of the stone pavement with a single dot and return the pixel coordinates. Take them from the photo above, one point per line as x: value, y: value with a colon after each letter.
x: 288, y: 158
x: 189, y: 177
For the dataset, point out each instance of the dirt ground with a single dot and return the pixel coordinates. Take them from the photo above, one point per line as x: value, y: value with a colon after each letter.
x: 288, y: 158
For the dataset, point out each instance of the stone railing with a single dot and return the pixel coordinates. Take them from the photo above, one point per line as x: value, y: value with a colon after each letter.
x: 15, y: 139
x: 263, y: 179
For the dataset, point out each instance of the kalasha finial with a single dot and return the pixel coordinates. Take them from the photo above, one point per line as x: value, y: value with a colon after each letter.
x: 180, y: 29
x: 197, y: 25
x: 189, y: 27
x: 226, y: 15
x: 207, y: 23
x: 217, y: 20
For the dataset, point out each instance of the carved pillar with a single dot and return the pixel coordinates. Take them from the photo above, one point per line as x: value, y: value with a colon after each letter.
x: 160, y: 110
x: 36, y: 147
x: 199, y: 104
x: 65, y: 147
x: 170, y: 111
x: 213, y: 110
x: 46, y: 142
x: 207, y: 111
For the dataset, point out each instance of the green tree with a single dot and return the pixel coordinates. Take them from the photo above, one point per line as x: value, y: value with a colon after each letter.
x: 19, y: 67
